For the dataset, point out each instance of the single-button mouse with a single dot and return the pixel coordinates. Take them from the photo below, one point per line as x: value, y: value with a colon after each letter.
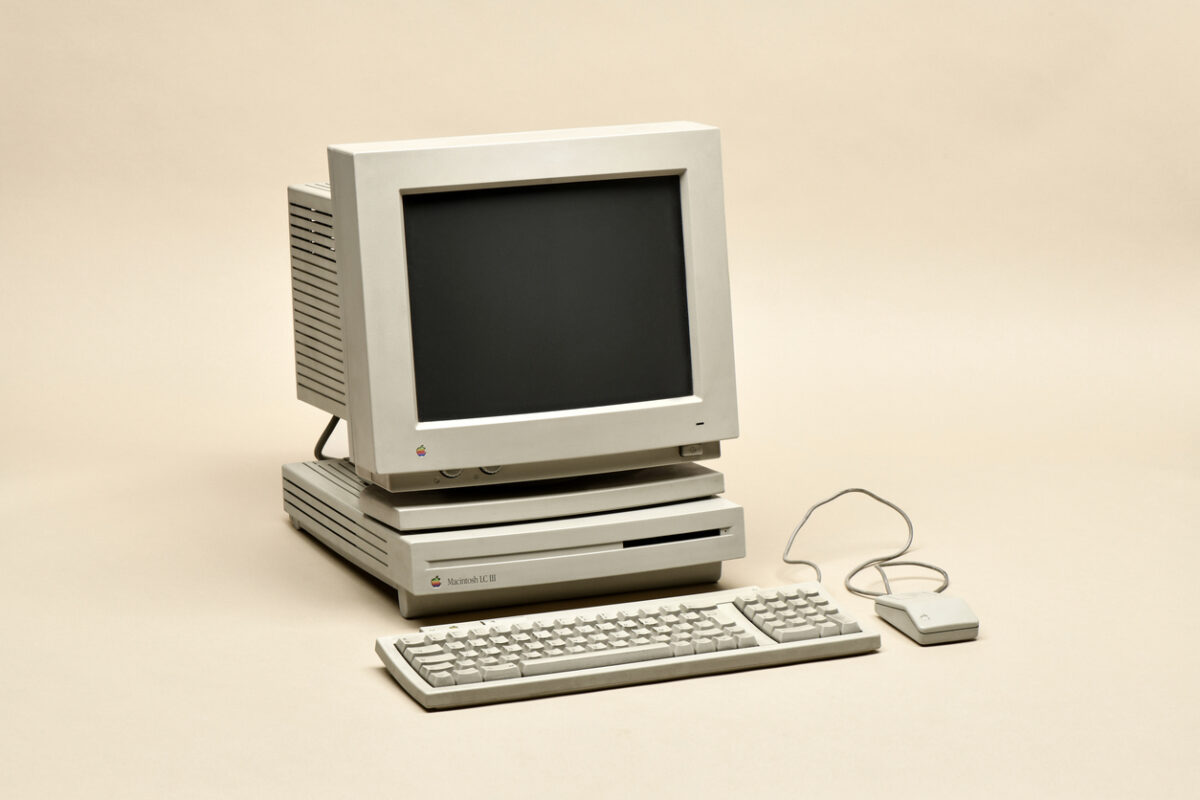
x: 928, y: 617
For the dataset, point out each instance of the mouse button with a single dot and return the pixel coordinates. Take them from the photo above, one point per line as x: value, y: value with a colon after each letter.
x: 941, y: 613
x: 903, y: 600
x: 897, y: 618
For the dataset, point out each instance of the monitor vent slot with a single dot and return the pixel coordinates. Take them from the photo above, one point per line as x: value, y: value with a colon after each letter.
x: 316, y: 300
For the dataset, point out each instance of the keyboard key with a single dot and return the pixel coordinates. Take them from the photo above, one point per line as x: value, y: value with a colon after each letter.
x: 468, y: 675
x: 796, y: 634
x: 428, y: 661
x: 441, y: 677
x: 606, y: 658
x: 422, y: 650
x: 501, y: 672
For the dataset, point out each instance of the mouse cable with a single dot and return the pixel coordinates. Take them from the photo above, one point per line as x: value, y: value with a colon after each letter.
x: 325, y: 434
x: 878, y: 563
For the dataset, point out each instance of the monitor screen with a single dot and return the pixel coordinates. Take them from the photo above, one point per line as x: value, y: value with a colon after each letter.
x: 547, y: 297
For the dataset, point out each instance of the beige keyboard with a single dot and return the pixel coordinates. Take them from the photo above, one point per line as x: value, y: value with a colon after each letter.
x: 496, y: 660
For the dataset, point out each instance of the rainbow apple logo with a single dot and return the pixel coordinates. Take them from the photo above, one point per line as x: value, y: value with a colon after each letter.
x: 421, y: 451
x: 435, y: 582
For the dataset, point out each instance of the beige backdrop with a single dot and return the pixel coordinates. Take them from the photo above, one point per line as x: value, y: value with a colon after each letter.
x: 964, y: 243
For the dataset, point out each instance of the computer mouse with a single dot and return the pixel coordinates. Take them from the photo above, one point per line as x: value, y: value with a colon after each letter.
x: 928, y: 617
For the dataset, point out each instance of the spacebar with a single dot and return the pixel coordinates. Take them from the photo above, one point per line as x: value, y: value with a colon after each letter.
x: 595, y: 658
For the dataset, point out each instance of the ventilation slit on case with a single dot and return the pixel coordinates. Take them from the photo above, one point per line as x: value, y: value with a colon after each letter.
x: 316, y: 300
x: 322, y: 518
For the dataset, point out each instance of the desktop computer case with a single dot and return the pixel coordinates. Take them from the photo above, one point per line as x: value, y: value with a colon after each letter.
x: 444, y: 566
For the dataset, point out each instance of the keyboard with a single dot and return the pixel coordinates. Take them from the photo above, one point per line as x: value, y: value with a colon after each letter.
x: 514, y: 658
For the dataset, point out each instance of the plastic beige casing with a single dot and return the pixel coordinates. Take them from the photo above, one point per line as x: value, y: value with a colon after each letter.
x: 652, y: 532
x: 766, y: 653
x: 390, y: 446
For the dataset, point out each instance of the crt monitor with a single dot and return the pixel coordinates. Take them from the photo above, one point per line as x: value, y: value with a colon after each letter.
x: 538, y: 305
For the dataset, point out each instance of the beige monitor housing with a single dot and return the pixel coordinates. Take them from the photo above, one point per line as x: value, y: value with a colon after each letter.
x: 353, y: 335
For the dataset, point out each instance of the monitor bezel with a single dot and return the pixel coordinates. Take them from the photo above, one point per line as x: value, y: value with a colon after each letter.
x: 369, y: 181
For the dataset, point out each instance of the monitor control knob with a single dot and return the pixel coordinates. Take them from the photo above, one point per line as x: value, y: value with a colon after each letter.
x: 489, y: 470
x: 451, y: 473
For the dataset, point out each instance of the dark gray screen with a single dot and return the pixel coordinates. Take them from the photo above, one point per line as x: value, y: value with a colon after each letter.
x: 548, y: 297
